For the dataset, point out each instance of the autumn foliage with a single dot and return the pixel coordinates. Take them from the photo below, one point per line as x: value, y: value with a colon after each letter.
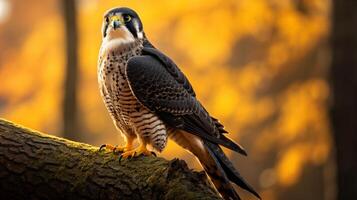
x: 259, y: 66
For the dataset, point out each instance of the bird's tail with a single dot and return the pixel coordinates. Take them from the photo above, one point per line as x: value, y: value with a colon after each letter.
x: 223, y: 172
x: 216, y: 164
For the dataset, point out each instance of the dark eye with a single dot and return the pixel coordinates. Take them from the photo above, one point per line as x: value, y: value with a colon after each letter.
x: 127, y: 18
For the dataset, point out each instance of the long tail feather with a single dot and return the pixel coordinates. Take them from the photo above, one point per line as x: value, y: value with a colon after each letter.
x: 216, y: 164
x: 229, y: 169
x: 219, y: 178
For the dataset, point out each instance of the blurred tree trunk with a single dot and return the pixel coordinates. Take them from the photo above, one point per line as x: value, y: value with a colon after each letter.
x: 344, y: 85
x: 70, y: 108
x: 38, y: 166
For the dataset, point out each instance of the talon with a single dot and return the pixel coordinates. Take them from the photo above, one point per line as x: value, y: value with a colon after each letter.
x: 107, y: 146
x: 141, y: 150
x: 154, y: 154
x: 102, y: 146
x: 116, y: 149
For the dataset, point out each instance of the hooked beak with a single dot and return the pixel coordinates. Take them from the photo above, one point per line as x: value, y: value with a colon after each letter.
x: 115, y: 24
x: 116, y: 21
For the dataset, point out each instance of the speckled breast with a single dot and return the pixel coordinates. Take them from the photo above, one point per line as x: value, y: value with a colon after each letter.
x: 114, y: 85
x: 127, y: 112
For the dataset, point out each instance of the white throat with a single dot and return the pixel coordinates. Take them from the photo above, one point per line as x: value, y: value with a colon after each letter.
x: 117, y: 39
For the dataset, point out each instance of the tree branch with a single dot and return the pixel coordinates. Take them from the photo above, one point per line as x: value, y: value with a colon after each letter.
x: 38, y: 166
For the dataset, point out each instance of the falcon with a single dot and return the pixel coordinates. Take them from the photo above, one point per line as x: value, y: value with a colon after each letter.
x: 150, y: 99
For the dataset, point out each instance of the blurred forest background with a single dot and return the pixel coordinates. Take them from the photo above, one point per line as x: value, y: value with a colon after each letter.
x: 261, y: 67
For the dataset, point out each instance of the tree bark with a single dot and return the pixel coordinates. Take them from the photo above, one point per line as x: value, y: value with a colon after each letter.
x: 344, y: 85
x: 38, y: 166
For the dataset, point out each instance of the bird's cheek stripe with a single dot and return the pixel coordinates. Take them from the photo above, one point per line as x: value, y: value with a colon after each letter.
x: 132, y: 29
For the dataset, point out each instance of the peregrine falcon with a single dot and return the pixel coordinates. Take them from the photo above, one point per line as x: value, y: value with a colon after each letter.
x: 150, y: 99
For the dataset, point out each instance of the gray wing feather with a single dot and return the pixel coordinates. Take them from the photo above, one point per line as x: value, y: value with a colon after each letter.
x: 172, y: 98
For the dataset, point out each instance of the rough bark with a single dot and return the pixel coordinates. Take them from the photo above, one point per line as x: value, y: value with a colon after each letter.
x: 344, y: 85
x: 38, y: 166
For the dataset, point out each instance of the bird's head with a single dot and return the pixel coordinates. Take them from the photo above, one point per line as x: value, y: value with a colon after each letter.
x: 122, y: 24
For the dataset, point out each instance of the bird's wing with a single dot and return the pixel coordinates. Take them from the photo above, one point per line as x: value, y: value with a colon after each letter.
x: 171, y: 67
x: 176, y: 73
x: 163, y: 88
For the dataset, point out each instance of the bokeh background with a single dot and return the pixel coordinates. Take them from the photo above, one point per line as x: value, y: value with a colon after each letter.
x: 259, y: 66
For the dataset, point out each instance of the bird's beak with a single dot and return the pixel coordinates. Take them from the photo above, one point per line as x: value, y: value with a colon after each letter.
x: 116, y: 22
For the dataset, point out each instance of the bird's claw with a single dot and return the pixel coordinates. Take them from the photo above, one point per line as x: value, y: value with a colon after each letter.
x: 114, y: 149
x: 135, y: 153
x: 102, y: 147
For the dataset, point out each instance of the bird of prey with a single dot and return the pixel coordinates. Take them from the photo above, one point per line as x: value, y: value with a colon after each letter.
x: 150, y: 99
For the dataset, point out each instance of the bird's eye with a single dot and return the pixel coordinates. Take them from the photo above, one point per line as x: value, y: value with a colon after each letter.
x: 127, y: 18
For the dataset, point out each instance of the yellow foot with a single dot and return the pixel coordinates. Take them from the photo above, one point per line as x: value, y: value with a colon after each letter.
x: 116, y: 149
x: 141, y: 150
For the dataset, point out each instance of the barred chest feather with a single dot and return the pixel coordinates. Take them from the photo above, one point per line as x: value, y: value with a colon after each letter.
x: 128, y: 114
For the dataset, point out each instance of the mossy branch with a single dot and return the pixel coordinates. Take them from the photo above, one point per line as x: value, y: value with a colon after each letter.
x: 39, y: 166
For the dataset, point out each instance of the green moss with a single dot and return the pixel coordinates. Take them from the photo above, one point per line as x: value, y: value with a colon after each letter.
x: 76, y: 162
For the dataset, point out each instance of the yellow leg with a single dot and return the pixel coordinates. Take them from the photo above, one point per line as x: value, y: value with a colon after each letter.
x: 140, y: 150
x: 127, y: 147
